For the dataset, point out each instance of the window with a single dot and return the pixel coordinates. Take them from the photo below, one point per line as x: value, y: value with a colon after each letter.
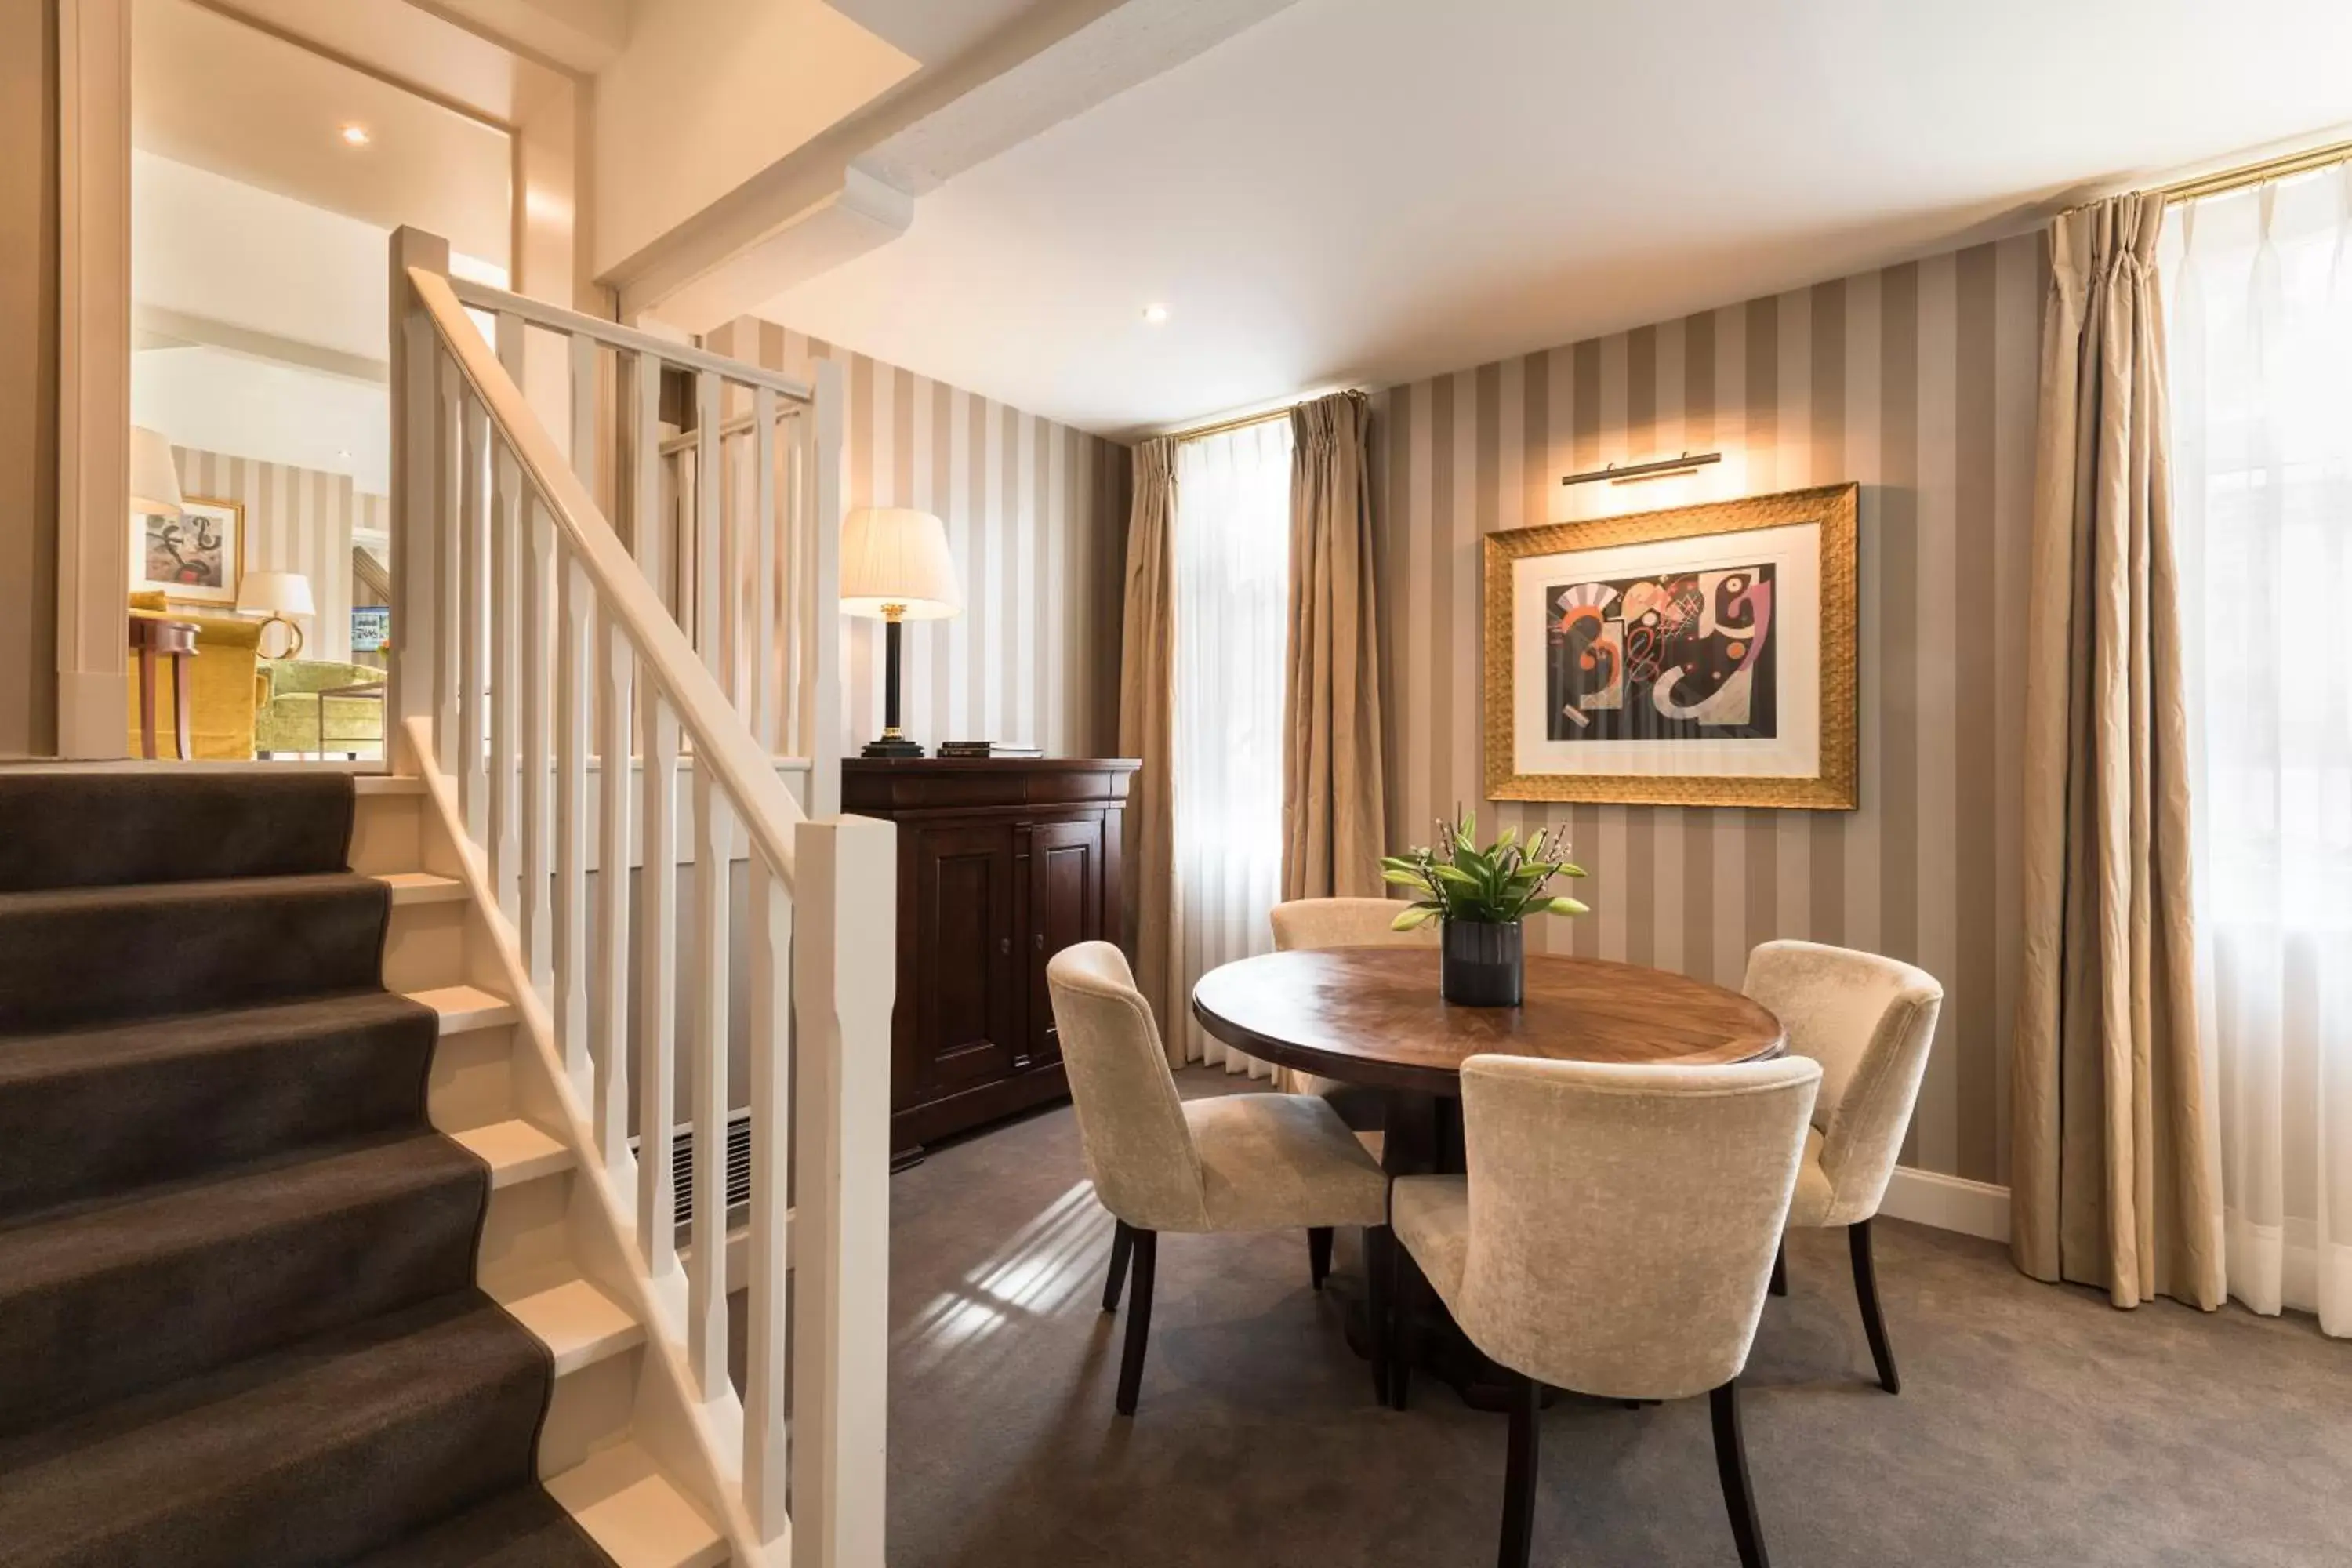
x: 2259, y: 316
x: 1231, y: 549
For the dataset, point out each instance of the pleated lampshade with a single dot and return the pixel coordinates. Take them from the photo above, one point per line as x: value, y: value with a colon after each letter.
x: 155, y: 482
x: 895, y: 555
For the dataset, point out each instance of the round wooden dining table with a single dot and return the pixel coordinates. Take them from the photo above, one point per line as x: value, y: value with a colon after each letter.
x: 1372, y: 1016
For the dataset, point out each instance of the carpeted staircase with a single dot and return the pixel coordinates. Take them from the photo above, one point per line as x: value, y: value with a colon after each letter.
x: 238, y: 1318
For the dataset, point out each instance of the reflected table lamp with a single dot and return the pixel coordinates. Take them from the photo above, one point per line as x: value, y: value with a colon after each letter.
x: 277, y: 596
x: 896, y: 567
x: 154, y: 478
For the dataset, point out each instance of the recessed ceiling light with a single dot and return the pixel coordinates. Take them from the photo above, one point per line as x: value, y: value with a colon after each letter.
x: 1155, y: 315
x: 355, y: 136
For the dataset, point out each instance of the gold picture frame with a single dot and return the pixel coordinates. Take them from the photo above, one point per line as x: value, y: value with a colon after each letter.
x: 196, y: 558
x: 1832, y: 783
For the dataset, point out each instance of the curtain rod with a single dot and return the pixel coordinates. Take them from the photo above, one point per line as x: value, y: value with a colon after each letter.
x: 2256, y: 173
x: 1202, y: 432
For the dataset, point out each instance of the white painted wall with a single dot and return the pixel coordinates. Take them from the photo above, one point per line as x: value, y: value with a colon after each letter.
x: 708, y: 93
x: 276, y: 413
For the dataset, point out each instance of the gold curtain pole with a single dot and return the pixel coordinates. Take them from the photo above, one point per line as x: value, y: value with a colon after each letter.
x: 2255, y: 173
x: 1202, y: 432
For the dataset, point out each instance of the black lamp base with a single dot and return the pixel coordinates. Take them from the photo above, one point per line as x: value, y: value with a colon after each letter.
x: 891, y: 748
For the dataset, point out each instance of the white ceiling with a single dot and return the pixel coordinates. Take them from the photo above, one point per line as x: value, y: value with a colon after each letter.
x: 928, y: 30
x: 216, y: 94
x: 1366, y: 191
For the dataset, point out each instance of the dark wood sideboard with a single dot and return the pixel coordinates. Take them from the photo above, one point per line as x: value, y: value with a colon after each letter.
x: 1002, y: 864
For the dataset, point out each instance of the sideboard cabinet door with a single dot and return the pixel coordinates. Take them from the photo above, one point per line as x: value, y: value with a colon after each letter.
x: 966, y: 1017
x: 1065, y: 908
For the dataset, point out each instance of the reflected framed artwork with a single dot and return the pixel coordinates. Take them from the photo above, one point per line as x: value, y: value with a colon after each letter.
x: 1701, y: 656
x: 196, y: 558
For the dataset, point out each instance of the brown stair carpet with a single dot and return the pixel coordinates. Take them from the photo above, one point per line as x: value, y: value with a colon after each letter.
x: 237, y: 1318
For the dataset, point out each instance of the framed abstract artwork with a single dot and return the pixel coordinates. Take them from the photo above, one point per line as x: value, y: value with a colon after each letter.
x: 1703, y: 655
x: 196, y: 558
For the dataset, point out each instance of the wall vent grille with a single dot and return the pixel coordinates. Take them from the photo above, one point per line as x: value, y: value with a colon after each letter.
x: 738, y: 1167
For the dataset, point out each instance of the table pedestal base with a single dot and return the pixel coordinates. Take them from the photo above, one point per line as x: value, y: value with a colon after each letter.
x: 1423, y: 1135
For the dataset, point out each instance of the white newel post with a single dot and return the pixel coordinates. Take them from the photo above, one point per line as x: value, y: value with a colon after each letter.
x: 414, y: 494
x: 844, y: 979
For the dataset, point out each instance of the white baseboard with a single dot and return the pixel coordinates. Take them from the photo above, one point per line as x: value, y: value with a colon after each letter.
x: 1948, y: 1203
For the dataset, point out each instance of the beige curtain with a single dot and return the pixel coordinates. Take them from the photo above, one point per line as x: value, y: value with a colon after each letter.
x: 1333, y: 807
x: 2112, y: 1175
x: 1146, y: 701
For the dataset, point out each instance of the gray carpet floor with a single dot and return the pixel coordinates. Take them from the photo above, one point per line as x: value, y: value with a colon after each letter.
x: 2036, y: 1424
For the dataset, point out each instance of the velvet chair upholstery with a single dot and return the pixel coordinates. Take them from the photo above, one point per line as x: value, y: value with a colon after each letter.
x: 1869, y: 1021
x: 1231, y: 1162
x: 1343, y: 922
x: 1615, y: 1236
x: 222, y: 686
x: 290, y: 720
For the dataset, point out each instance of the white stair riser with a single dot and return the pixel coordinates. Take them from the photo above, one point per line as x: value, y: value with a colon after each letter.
x: 424, y: 947
x: 473, y: 1079
x: 527, y: 1233
x: 385, y: 834
x: 591, y: 1409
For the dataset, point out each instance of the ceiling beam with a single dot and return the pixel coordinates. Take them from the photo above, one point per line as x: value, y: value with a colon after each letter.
x: 577, y: 36
x: 155, y: 327
x: 852, y: 186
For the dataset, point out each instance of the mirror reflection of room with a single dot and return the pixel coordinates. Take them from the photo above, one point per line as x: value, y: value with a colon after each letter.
x: 260, y: 593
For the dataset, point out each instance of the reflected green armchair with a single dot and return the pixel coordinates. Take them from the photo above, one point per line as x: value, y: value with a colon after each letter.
x: 317, y: 705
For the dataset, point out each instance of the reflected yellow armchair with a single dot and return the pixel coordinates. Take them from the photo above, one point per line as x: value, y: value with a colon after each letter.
x: 317, y: 705
x: 224, y: 684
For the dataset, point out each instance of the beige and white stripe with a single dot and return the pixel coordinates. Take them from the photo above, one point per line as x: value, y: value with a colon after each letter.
x: 295, y: 520
x: 1917, y: 380
x: 1036, y: 514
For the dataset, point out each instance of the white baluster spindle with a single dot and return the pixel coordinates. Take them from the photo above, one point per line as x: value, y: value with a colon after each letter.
x: 707, y: 1277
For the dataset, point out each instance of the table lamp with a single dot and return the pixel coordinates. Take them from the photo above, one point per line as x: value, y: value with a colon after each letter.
x: 277, y: 594
x: 154, y: 479
x: 895, y: 565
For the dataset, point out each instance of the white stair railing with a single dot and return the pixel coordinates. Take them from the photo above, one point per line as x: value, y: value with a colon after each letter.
x: 530, y: 634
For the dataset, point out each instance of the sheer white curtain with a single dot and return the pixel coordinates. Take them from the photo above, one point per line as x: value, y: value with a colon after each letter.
x: 2261, y: 317
x: 1232, y: 566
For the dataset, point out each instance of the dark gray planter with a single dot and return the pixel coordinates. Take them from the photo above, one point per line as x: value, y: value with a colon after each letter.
x: 1483, y: 965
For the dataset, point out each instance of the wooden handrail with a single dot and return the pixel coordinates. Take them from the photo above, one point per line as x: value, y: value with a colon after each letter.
x: 722, y: 741
x: 612, y: 334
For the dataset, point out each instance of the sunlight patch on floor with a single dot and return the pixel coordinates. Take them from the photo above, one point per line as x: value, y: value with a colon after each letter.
x: 1060, y: 1252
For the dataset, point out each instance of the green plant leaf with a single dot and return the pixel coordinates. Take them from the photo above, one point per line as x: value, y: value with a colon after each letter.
x: 1413, y: 915
x: 1565, y: 907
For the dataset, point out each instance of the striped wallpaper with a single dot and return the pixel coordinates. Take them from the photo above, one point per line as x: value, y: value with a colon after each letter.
x: 1918, y: 381
x: 1036, y: 514
x: 295, y: 520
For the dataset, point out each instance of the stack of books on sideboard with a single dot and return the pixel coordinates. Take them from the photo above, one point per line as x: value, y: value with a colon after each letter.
x: 986, y: 749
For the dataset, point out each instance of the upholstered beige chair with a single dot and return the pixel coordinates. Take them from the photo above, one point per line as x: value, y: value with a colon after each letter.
x: 1233, y: 1162
x: 1614, y: 1236
x: 1868, y: 1021
x: 1343, y: 922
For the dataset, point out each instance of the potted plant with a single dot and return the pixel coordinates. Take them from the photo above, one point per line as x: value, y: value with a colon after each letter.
x: 1483, y: 896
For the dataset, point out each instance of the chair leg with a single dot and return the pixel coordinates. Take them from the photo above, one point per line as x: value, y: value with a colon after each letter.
x: 1378, y: 1243
x: 1139, y: 1320
x: 1519, y: 1477
x: 1318, y: 1254
x: 1874, y: 1322
x: 1122, y: 1241
x: 1781, y: 1268
x: 1732, y: 1465
x: 1404, y: 1325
